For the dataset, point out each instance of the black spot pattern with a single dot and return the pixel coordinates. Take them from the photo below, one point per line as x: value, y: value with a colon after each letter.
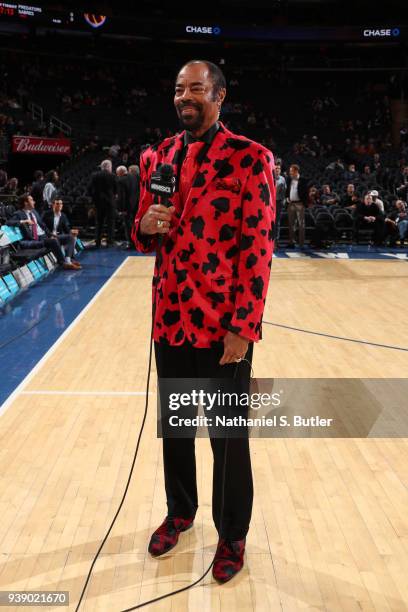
x: 246, y: 161
x: 199, y: 180
x: 197, y: 317
x: 180, y: 335
x: 242, y: 312
x: 251, y: 261
x: 223, y: 168
x: 257, y: 167
x: 216, y: 298
x: 227, y: 232
x: 212, y: 264
x: 257, y: 285
x: 171, y: 317
x: 186, y: 294
x: 252, y: 220
x: 238, y: 213
x: 246, y: 241
x: 264, y: 193
x: 185, y: 254
x: 197, y: 226
x: 221, y: 205
x: 232, y: 251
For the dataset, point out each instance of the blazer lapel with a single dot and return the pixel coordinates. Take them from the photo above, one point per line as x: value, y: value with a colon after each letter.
x: 170, y: 154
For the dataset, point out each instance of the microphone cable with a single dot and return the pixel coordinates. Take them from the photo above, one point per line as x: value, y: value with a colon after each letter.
x: 189, y: 586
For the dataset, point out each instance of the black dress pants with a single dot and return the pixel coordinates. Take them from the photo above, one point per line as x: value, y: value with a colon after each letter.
x: 185, y: 361
x: 105, y: 211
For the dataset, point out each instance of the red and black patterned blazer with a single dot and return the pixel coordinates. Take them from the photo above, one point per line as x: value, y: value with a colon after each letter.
x: 213, y: 271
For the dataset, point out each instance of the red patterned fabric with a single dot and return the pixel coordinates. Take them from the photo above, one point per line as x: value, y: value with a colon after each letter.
x: 215, y: 263
x: 228, y: 560
x: 166, y: 536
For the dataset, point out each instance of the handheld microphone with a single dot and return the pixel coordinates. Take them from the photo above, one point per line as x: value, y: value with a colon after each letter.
x: 163, y: 184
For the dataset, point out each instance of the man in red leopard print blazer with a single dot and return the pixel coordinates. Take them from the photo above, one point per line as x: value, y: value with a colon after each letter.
x: 211, y: 280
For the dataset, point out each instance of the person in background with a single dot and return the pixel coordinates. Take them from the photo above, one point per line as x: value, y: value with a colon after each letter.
x: 296, y: 194
x: 123, y: 200
x: 59, y: 227
x: 37, y: 189
x: 36, y: 234
x: 351, y: 173
x: 377, y: 200
x: 328, y: 198
x: 368, y: 216
x: 396, y: 223
x: 103, y: 189
x: 280, y: 183
x: 11, y: 189
x: 313, y: 197
x: 50, y: 188
x: 350, y: 200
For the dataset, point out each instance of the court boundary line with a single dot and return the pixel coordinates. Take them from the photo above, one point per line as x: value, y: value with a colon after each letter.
x: 18, y: 390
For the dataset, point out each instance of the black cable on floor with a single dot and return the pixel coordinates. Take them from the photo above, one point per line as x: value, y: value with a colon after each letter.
x: 314, y: 333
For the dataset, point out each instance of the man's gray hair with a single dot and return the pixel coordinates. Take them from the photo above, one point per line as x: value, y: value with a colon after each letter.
x: 121, y: 170
x: 106, y: 165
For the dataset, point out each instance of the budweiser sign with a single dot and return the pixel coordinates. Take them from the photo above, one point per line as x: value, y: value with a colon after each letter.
x: 38, y: 144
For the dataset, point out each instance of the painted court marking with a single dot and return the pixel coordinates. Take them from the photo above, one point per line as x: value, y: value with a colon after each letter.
x: 18, y: 390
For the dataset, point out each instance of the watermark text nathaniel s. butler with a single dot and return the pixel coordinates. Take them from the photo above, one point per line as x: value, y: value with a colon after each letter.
x: 241, y: 421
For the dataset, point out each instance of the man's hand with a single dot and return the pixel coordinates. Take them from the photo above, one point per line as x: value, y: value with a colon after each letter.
x: 235, y: 347
x: 27, y: 222
x: 74, y: 232
x: 155, y: 213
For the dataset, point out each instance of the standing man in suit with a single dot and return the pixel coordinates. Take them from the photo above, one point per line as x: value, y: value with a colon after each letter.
x: 37, y: 189
x: 36, y: 234
x: 211, y: 278
x: 296, y: 197
x: 103, y: 189
x: 59, y: 227
x: 128, y: 197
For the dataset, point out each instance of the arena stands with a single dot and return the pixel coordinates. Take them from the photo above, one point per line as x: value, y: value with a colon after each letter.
x: 115, y: 106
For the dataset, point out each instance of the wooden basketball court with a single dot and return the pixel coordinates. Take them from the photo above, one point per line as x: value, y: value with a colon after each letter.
x: 330, y: 521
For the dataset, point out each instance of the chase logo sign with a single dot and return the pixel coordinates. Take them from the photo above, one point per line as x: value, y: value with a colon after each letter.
x: 211, y: 30
x: 384, y: 33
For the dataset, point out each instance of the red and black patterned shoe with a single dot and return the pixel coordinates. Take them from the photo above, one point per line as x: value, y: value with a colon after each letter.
x: 166, y: 536
x: 228, y: 560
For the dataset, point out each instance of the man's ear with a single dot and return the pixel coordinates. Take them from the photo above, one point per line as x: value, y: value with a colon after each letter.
x: 221, y: 95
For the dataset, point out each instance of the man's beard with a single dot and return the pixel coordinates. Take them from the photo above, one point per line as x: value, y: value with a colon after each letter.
x: 191, y: 123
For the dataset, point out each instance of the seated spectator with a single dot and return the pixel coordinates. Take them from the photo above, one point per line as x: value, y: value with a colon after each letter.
x: 336, y: 166
x: 328, y: 198
x: 59, y: 227
x: 367, y: 215
x: 36, y: 234
x: 351, y: 173
x: 350, y: 199
x: 11, y: 188
x: 376, y: 200
x: 367, y: 177
x: 402, y: 189
x: 313, y: 197
x: 396, y: 223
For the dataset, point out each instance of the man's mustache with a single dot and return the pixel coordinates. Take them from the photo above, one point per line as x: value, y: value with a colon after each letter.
x: 189, y: 104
